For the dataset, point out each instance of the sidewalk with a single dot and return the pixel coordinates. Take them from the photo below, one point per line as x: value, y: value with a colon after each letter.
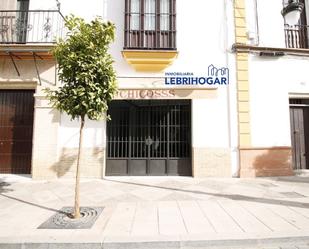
x: 173, y: 212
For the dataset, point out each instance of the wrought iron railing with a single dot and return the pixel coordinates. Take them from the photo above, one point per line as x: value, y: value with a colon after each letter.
x: 296, y: 36
x: 33, y: 26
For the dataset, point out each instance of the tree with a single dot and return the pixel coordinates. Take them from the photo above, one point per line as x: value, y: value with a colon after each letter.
x: 88, y: 79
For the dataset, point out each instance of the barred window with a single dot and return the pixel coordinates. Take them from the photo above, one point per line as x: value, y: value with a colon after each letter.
x: 150, y: 24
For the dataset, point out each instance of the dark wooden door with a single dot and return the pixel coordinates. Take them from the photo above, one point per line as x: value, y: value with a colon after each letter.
x: 149, y: 137
x: 299, y: 113
x: 16, y: 128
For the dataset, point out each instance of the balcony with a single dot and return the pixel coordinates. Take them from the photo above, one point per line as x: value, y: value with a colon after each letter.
x: 149, y: 50
x: 32, y: 26
x: 150, y: 34
x: 296, y: 36
x: 150, y: 39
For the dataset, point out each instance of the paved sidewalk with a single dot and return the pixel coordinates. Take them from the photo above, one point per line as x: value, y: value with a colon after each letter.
x: 158, y: 212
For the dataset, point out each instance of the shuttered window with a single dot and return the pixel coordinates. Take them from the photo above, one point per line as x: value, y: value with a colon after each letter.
x: 150, y: 24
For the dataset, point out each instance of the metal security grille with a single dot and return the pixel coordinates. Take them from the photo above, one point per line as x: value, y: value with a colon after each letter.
x: 149, y: 137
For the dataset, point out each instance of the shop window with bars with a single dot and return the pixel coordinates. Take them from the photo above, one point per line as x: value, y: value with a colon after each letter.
x: 149, y: 137
x: 150, y: 24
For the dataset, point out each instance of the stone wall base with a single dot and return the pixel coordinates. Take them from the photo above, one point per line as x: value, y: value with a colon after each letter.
x: 91, y: 166
x: 211, y: 162
x: 266, y: 162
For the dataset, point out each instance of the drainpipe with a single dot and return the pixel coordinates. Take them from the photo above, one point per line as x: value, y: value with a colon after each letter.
x: 231, y: 92
x: 257, y: 27
x: 253, y: 35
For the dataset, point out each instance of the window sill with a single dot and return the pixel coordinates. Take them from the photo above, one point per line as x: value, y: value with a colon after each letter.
x: 149, y: 60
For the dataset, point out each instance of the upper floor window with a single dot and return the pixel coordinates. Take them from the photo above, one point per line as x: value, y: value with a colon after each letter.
x: 23, y: 5
x: 297, y: 36
x: 150, y: 24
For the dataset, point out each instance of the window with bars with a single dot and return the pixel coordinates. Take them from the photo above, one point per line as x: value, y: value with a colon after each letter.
x: 150, y: 24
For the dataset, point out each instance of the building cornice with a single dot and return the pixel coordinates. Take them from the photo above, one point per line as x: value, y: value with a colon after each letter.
x: 26, y: 51
x: 269, y: 51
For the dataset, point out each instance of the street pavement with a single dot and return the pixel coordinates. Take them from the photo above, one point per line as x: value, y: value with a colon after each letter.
x: 160, y: 212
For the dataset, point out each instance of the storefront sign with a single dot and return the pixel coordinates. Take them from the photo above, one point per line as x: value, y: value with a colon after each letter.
x: 146, y: 94
x: 215, y: 76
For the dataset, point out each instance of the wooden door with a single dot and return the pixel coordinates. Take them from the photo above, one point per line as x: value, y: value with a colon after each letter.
x: 299, y: 113
x: 16, y: 128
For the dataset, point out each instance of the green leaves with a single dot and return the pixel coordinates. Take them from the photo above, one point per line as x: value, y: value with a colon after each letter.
x: 85, y: 68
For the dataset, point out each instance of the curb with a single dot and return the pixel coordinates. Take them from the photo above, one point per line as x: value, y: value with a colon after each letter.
x: 303, y: 242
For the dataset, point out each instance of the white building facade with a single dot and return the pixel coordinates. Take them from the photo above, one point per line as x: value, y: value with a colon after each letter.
x: 210, y: 89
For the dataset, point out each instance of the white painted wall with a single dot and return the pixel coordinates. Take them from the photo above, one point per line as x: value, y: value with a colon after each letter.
x: 94, y: 133
x: 273, y: 80
x: 271, y: 83
x: 252, y: 22
x: 203, y: 38
x: 43, y: 5
x: 7, y: 5
x: 270, y: 22
x: 86, y: 9
x: 210, y: 122
x: 205, y: 35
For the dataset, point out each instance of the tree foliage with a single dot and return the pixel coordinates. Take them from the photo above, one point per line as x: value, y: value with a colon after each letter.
x: 85, y: 69
x: 87, y: 75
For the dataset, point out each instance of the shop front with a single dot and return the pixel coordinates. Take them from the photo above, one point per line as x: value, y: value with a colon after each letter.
x: 149, y: 137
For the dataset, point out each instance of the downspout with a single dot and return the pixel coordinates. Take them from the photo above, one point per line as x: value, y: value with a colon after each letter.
x: 253, y: 24
x: 231, y: 92
x: 257, y: 26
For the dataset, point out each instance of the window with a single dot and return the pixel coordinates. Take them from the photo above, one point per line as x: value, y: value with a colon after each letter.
x: 23, y: 5
x: 150, y: 24
x: 21, y: 23
x: 297, y: 36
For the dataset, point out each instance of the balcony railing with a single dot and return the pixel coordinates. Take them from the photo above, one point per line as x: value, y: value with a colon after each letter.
x: 150, y: 39
x: 33, y: 26
x: 296, y: 36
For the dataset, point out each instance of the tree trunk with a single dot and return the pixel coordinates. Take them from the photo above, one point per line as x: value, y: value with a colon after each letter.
x: 76, y: 204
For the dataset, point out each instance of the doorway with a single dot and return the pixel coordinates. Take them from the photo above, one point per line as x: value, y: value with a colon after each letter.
x: 149, y: 137
x: 16, y: 129
x: 299, y: 114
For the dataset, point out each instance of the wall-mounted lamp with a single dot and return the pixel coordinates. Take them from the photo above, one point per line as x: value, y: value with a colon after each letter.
x: 291, y: 13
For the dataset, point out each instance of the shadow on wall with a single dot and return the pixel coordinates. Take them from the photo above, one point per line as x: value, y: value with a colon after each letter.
x: 68, y: 159
x: 65, y: 162
x: 274, y: 162
x: 55, y: 115
x: 27, y: 71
